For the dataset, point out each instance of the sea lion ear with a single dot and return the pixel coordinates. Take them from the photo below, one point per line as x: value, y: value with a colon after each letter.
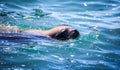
x: 62, y: 34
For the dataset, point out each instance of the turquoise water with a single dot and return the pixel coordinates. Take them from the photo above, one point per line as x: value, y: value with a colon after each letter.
x: 98, y: 48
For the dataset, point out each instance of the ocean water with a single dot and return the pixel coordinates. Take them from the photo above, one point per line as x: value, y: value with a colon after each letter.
x: 98, y: 22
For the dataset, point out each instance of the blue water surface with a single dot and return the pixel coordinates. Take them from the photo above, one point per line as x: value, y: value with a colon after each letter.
x: 98, y: 22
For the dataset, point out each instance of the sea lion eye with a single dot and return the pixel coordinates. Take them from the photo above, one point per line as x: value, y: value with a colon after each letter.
x: 73, y: 34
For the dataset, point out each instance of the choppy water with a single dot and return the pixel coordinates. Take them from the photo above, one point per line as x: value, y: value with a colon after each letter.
x: 98, y: 48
